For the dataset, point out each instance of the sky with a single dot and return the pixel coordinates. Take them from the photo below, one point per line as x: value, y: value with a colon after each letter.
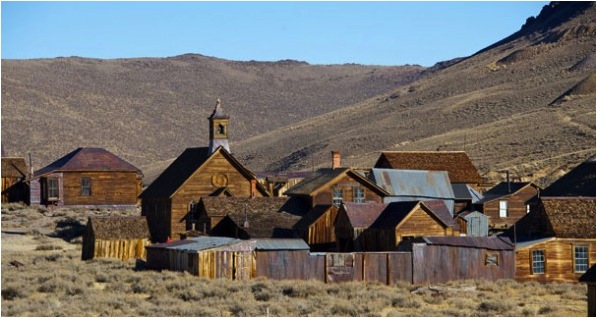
x: 373, y: 33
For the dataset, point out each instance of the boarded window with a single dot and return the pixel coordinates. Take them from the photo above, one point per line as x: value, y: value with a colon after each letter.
x: 538, y: 259
x: 337, y: 197
x: 359, y: 195
x: 491, y: 259
x: 53, y: 189
x: 581, y: 259
x: 503, y: 209
x: 85, y: 186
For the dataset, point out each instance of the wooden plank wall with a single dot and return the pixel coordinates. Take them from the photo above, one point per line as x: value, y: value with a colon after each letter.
x: 516, y: 208
x: 458, y: 263
x: 322, y: 231
x: 559, y: 260
x: 107, y: 188
x: 346, y: 184
x: 122, y: 249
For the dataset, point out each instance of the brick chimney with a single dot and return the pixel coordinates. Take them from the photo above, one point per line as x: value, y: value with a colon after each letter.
x: 336, y: 159
x: 253, y: 188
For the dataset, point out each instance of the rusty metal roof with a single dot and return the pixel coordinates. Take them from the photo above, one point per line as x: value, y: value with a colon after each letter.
x: 456, y: 163
x: 414, y: 185
x: 362, y: 215
x: 490, y: 243
x: 197, y: 243
x: 88, y: 159
x: 280, y: 244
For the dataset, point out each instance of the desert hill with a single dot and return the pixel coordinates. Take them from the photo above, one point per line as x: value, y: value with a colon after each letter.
x: 524, y: 104
x: 151, y: 109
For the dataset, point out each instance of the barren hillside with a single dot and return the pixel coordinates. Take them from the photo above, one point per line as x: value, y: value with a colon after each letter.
x: 150, y: 109
x: 526, y: 104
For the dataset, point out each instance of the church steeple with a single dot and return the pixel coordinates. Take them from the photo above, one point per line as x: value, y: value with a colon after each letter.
x: 218, y: 129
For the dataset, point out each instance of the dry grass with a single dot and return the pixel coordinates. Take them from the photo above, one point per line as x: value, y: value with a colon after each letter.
x: 53, y: 281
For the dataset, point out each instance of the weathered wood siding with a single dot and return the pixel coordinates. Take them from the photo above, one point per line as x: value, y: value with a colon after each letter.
x: 440, y: 263
x: 384, y: 267
x: 157, y: 212
x: 559, y: 260
x: 200, y: 184
x: 121, y: 249
x: 107, y: 188
x: 322, y: 232
x: 517, y: 208
x: 347, y: 184
x: 420, y: 223
x: 288, y: 265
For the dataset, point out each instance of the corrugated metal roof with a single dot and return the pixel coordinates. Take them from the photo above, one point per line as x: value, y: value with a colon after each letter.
x: 413, y: 185
x: 490, y: 243
x: 463, y: 191
x: 198, y: 243
x: 280, y: 244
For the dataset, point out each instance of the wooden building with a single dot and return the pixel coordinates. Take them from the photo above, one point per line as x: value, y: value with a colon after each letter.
x: 14, y: 174
x: 115, y: 237
x: 197, y: 172
x: 277, y: 183
x: 336, y: 185
x: 442, y: 259
x: 381, y: 227
x: 317, y: 228
x: 556, y: 241
x: 245, y: 218
x: 507, y: 203
x: 457, y: 163
x: 89, y: 178
x: 473, y: 223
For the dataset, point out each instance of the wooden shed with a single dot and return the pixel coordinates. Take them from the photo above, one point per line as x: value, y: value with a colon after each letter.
x: 381, y: 227
x: 317, y: 227
x: 14, y: 173
x: 507, y: 202
x: 589, y: 279
x: 88, y: 178
x: 123, y: 237
x: 442, y: 259
x: 473, y: 223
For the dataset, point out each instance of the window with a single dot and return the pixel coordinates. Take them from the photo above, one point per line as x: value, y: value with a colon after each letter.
x: 528, y: 208
x: 359, y: 195
x: 581, y: 259
x: 52, y: 188
x: 503, y: 209
x: 492, y: 259
x: 538, y: 259
x: 337, y: 197
x: 85, y: 186
x: 221, y: 129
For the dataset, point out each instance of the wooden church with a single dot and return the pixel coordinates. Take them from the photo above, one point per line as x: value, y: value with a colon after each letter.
x: 197, y: 172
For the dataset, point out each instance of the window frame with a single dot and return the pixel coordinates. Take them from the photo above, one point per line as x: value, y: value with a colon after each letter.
x: 576, y: 258
x: 503, y: 208
x: 492, y: 259
x: 85, y: 188
x: 540, y: 261
x: 337, y: 200
x: 358, y: 199
x: 53, y: 189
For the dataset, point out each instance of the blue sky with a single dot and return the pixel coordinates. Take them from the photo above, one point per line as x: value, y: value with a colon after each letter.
x: 382, y: 33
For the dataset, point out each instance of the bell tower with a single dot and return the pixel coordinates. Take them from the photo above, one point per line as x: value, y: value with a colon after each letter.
x: 218, y: 129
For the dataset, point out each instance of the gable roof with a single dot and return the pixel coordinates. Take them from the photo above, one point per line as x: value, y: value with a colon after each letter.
x: 87, y: 159
x: 457, y: 163
x: 266, y: 215
x: 119, y: 227
x: 324, y: 176
x: 181, y: 169
x: 313, y: 215
x: 570, y: 217
x: 501, y: 190
x: 578, y: 182
x: 14, y: 167
x: 463, y: 191
x: 362, y: 215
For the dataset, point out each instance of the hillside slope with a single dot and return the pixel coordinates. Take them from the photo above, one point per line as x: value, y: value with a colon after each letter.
x: 525, y: 104
x: 151, y: 109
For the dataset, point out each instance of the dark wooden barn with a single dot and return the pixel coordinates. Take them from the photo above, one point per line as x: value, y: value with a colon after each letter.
x: 197, y: 172
x: 89, y: 178
x: 123, y: 237
x: 14, y: 174
x: 317, y: 228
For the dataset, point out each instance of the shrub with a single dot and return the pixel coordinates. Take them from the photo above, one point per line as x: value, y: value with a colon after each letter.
x: 12, y: 292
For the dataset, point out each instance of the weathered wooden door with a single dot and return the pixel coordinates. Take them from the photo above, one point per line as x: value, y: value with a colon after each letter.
x: 242, y: 265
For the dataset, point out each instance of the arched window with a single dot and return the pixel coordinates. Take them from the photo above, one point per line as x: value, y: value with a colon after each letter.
x: 221, y: 129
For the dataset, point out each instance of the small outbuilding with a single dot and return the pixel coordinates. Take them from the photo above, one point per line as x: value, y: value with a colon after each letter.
x: 123, y: 237
x: 14, y: 173
x: 317, y: 227
x: 473, y: 223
